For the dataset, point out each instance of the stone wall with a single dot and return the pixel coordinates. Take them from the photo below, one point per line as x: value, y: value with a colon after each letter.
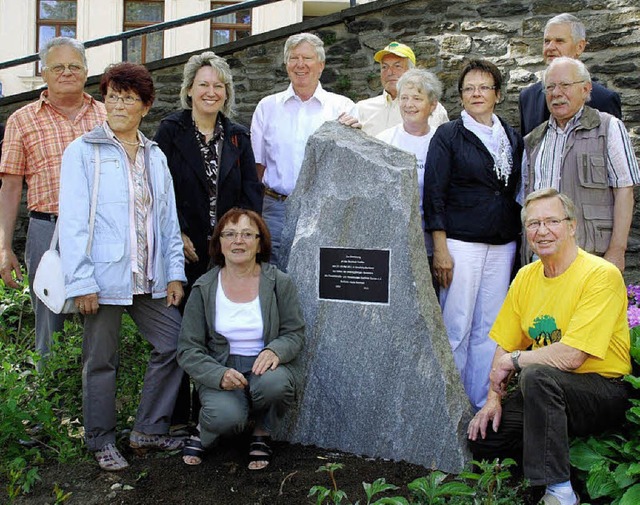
x: 443, y: 33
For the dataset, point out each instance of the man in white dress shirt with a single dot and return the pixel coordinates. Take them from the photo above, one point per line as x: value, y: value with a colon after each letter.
x: 382, y: 112
x: 283, y: 122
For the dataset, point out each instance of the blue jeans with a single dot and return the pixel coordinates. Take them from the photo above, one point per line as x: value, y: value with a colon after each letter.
x: 273, y: 215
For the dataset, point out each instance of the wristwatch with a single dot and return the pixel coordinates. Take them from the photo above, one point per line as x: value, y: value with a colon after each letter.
x: 514, y: 359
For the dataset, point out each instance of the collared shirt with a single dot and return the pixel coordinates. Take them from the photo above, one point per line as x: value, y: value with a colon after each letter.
x: 35, y: 138
x: 622, y: 165
x: 281, y: 125
x: 382, y: 112
x: 140, y: 218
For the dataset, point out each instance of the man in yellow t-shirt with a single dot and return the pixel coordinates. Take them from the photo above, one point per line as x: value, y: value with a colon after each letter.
x: 570, y: 309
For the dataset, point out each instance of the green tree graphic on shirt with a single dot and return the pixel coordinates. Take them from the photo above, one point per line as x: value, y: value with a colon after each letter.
x: 545, y: 331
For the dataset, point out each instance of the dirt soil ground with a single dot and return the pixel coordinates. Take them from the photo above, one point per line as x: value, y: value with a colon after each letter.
x: 222, y: 478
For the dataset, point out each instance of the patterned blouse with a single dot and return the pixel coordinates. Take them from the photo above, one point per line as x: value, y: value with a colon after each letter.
x: 211, y: 155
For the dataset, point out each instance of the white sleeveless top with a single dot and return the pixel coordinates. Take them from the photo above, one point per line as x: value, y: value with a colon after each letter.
x: 240, y: 323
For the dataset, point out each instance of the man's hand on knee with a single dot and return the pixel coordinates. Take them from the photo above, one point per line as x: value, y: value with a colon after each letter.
x: 490, y: 413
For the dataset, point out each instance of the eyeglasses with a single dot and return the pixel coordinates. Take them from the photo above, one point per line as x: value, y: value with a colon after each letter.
x: 59, y: 69
x: 127, y: 100
x: 483, y: 90
x: 549, y: 223
x: 244, y: 235
x: 564, y: 86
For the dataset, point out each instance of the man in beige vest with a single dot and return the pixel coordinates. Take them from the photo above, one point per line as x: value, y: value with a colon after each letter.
x: 586, y: 154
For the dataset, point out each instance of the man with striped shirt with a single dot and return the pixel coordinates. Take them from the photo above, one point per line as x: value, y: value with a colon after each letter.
x: 586, y: 154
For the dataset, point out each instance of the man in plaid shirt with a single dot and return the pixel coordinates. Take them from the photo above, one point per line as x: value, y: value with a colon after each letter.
x: 35, y: 138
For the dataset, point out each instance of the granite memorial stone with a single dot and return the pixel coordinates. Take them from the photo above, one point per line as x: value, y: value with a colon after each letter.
x: 378, y: 372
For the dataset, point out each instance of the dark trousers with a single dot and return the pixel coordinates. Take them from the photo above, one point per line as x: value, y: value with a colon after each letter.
x: 187, y: 408
x: 267, y: 398
x: 547, y: 408
x: 160, y: 326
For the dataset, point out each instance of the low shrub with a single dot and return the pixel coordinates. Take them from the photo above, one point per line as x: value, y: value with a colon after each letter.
x: 610, y: 464
x: 41, y: 412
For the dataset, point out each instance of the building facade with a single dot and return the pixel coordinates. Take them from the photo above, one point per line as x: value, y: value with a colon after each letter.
x: 25, y: 25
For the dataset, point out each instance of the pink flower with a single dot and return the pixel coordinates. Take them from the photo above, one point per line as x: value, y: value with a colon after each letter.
x: 633, y: 310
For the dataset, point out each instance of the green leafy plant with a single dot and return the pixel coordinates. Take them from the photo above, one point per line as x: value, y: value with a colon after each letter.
x: 60, y: 495
x: 336, y: 496
x: 490, y: 480
x: 332, y: 494
x: 610, y: 464
x: 433, y: 490
x: 16, y: 315
x: 41, y: 412
x: 21, y: 479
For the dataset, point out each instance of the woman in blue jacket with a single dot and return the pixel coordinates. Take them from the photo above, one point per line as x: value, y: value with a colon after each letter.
x: 134, y: 263
x: 471, y: 181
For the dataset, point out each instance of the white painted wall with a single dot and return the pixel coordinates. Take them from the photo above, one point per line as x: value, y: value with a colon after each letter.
x: 99, y: 18
x: 276, y: 15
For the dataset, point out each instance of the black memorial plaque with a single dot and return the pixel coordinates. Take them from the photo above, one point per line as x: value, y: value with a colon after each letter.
x: 354, y: 275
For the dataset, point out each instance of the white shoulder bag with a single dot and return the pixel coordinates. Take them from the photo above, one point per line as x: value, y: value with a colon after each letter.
x: 48, y: 284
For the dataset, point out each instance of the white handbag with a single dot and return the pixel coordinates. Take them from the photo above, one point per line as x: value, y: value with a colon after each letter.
x: 48, y: 284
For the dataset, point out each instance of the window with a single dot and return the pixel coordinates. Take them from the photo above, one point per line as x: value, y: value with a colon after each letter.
x: 229, y: 27
x: 55, y: 18
x: 148, y: 47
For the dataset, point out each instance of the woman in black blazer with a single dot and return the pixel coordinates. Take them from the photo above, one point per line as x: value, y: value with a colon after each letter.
x: 213, y: 170
x: 472, y: 177
x: 210, y: 157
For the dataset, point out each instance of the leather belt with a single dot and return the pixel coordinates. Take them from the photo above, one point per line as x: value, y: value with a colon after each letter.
x: 43, y: 216
x: 274, y: 194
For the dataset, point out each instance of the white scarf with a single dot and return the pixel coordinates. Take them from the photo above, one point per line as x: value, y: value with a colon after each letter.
x: 496, y: 141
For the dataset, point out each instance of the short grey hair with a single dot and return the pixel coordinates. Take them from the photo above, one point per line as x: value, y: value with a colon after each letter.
x: 221, y: 67
x: 62, y: 41
x: 424, y: 81
x: 567, y: 204
x: 578, y: 31
x: 295, y: 40
x: 581, y: 70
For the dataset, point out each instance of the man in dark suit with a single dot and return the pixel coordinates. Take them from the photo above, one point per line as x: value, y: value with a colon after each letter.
x: 564, y: 35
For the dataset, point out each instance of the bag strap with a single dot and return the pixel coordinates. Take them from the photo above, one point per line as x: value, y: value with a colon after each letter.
x: 94, y: 205
x: 94, y: 196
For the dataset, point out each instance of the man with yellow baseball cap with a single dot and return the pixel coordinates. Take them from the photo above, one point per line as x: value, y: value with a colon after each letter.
x: 381, y: 112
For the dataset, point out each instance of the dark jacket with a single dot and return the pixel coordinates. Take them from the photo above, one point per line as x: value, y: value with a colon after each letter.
x: 238, y: 184
x: 203, y: 353
x: 534, y: 111
x: 462, y: 194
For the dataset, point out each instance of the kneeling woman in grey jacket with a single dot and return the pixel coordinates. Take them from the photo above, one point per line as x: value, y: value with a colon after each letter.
x: 241, y: 334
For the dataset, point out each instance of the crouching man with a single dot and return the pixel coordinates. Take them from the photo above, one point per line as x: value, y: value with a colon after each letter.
x: 570, y: 307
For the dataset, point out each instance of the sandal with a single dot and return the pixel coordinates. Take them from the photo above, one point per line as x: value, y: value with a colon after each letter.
x: 192, y: 449
x: 260, y: 443
x: 110, y: 459
x: 141, y: 442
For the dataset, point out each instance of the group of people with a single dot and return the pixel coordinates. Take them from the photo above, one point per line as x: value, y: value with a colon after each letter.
x: 189, y: 223
x: 140, y: 223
